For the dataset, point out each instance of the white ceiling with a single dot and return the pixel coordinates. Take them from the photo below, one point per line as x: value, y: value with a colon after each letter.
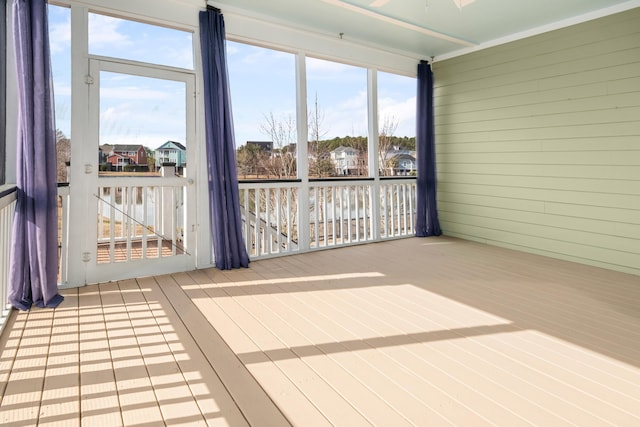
x: 426, y: 28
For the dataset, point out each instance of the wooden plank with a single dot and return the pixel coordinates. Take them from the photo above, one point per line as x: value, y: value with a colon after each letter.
x: 60, y: 404
x: 254, y: 403
x: 311, y: 375
x: 99, y: 403
x: 389, y: 346
x: 170, y: 387
x: 135, y: 392
x: 215, y: 403
x: 452, y: 345
x: 23, y: 394
x: 294, y: 397
x: 9, y: 343
x: 306, y: 316
x: 516, y: 362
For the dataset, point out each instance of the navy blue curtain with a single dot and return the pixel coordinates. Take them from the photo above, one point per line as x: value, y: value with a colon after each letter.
x: 224, y: 204
x: 427, y: 223
x: 33, y: 265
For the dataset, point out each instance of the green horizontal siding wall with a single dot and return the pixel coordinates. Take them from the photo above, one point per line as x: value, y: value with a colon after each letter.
x: 538, y: 143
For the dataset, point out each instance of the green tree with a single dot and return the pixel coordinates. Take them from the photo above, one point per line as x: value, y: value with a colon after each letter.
x: 151, y: 158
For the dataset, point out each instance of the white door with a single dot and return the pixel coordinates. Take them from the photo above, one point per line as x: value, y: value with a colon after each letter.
x: 141, y: 212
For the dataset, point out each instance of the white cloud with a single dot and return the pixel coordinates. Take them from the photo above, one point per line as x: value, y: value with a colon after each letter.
x: 356, y: 102
x: 127, y: 92
x: 103, y: 31
x: 60, y: 36
x: 321, y: 70
x: 347, y: 118
x: 133, y: 122
x: 232, y: 49
x: 403, y: 111
x: 264, y: 57
x: 61, y: 89
x: 255, y: 57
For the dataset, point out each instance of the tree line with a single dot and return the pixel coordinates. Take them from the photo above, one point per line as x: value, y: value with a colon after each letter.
x: 280, y: 163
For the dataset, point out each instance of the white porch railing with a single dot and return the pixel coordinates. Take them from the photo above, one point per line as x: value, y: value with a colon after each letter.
x: 340, y: 212
x: 270, y: 217
x: 7, y: 209
x: 140, y: 219
x: 397, y: 208
x: 63, y: 234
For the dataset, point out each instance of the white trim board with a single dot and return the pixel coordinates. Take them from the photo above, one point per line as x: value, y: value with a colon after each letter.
x: 632, y: 4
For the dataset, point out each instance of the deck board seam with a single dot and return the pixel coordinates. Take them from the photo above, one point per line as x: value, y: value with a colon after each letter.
x: 223, y: 382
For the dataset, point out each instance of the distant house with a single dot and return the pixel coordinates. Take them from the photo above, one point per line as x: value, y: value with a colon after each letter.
x: 171, y: 152
x: 120, y: 155
x: 103, y: 153
x: 345, y: 160
x: 118, y: 161
x: 266, y: 146
x: 400, y: 163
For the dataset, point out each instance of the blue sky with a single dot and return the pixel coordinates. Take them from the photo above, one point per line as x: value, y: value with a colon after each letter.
x: 149, y: 111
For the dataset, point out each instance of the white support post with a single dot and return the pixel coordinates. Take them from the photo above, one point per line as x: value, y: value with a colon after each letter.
x: 168, y: 207
x: 302, y: 152
x: 11, y: 122
x: 372, y: 110
x: 82, y: 235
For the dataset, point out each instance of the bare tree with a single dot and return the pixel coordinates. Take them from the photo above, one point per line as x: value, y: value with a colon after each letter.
x: 63, y: 155
x: 321, y: 164
x: 283, y: 132
x: 385, y: 144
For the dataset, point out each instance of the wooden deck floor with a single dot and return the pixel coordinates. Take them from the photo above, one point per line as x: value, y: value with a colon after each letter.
x: 423, y: 332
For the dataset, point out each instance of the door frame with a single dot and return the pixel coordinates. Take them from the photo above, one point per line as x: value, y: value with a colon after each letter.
x: 95, y: 272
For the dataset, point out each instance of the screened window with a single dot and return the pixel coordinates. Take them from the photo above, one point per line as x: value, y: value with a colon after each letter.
x: 136, y: 112
x: 60, y: 44
x: 396, y: 124
x: 137, y: 115
x: 263, y: 94
x: 136, y: 41
x: 338, y: 125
